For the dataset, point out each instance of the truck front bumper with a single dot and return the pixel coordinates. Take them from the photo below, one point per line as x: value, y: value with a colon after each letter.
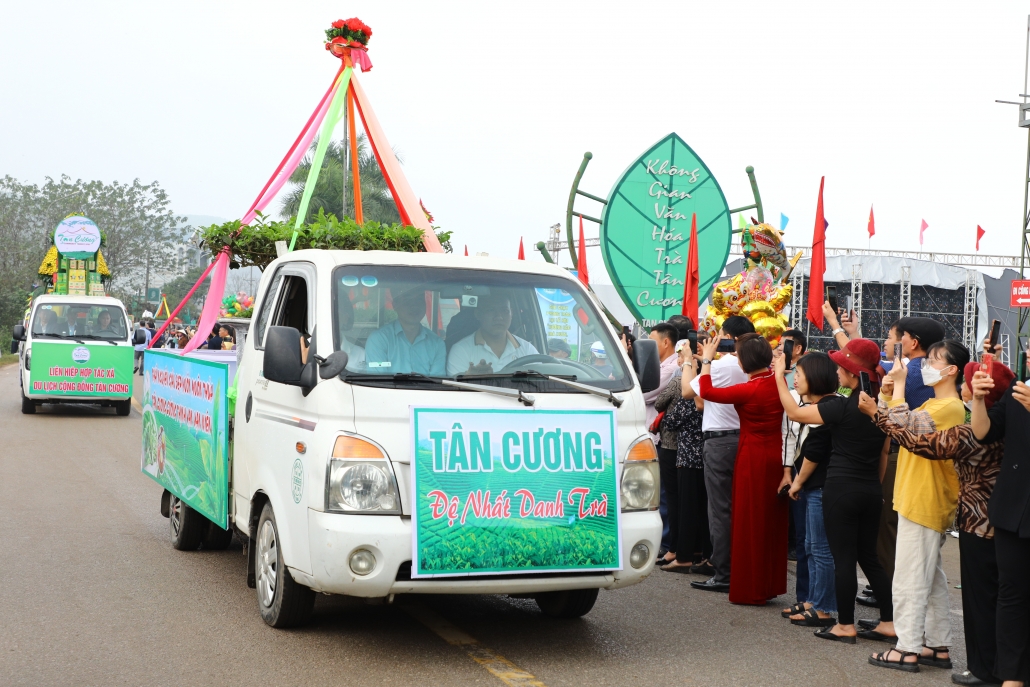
x: 335, y: 537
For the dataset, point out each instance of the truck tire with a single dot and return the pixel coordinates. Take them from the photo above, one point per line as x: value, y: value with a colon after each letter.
x: 574, y: 603
x: 123, y: 408
x: 186, y: 525
x: 281, y: 601
x: 28, y: 407
x: 216, y: 539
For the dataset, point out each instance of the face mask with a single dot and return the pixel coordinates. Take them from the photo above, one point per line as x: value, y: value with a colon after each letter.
x: 931, y: 375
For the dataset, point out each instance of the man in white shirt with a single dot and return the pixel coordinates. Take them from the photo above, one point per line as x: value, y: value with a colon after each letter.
x: 492, y: 346
x: 721, y: 428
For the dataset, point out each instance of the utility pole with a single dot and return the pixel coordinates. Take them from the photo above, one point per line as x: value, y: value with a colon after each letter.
x: 1024, y: 122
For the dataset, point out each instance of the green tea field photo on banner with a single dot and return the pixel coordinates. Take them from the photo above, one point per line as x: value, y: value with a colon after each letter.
x: 74, y: 369
x: 185, y: 431
x: 513, y: 491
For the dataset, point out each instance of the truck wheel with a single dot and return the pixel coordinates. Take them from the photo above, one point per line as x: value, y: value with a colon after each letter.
x: 28, y: 407
x: 123, y: 408
x: 186, y: 525
x: 281, y: 601
x: 574, y: 603
x: 216, y: 539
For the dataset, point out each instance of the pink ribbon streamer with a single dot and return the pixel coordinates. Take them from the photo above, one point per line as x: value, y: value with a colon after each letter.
x: 359, y: 56
x: 212, y: 304
x: 293, y: 156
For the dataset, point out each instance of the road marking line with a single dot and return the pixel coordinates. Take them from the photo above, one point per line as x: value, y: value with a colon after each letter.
x: 500, y: 667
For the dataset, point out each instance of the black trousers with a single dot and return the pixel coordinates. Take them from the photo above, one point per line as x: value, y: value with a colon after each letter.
x: 667, y: 475
x: 1013, y: 628
x: 979, y: 569
x: 694, y: 542
x: 851, y: 512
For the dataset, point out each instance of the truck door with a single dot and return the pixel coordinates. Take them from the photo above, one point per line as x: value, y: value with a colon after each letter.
x: 281, y: 417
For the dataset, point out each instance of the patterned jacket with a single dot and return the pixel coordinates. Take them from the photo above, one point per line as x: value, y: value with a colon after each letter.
x: 977, y: 464
x: 684, y: 417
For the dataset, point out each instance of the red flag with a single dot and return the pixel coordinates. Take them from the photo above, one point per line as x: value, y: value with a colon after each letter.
x: 818, y: 264
x: 922, y: 227
x: 522, y: 250
x: 581, y: 259
x: 872, y: 223
x: 979, y: 235
x: 466, y: 251
x: 693, y: 279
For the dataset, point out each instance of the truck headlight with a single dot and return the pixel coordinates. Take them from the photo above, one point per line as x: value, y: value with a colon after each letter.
x: 640, y: 477
x: 360, y: 479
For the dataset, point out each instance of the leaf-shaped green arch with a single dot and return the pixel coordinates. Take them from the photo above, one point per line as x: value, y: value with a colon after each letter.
x: 646, y: 229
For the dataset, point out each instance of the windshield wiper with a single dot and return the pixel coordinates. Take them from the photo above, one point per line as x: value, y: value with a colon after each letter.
x: 616, y: 401
x: 94, y: 337
x: 63, y: 337
x: 517, y: 394
x: 419, y: 377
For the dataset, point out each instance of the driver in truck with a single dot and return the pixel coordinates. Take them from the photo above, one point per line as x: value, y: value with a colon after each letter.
x: 492, y: 346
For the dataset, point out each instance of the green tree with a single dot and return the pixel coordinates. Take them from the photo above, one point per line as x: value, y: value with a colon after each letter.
x: 139, y: 231
x: 376, y: 200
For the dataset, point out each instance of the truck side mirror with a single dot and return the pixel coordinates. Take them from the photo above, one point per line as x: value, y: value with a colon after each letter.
x: 646, y: 364
x: 283, y: 361
x: 17, y: 336
x: 139, y: 337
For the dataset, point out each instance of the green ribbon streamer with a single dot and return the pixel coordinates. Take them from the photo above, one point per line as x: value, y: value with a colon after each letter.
x: 332, y: 118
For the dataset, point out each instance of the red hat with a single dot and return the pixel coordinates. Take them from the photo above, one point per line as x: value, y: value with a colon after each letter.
x: 1001, y: 375
x: 859, y: 355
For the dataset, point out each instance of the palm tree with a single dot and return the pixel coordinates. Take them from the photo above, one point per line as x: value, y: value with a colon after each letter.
x: 376, y: 200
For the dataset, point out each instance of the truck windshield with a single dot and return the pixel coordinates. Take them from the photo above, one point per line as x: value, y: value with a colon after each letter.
x: 79, y: 321
x: 403, y: 324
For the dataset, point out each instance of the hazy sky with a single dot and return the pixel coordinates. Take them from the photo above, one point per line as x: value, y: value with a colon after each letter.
x: 493, y: 104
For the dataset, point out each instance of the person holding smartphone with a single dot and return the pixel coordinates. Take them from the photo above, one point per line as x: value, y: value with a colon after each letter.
x: 1008, y: 421
x: 925, y: 497
x: 758, y: 538
x: 851, y: 493
x: 721, y: 431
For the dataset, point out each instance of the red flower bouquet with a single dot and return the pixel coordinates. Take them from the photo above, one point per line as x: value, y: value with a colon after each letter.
x: 351, y: 32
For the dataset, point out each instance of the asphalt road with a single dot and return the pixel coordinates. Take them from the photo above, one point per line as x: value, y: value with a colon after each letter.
x: 92, y: 593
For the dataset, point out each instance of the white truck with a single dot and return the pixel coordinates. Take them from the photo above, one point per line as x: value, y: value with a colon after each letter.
x: 75, y: 349
x: 409, y: 423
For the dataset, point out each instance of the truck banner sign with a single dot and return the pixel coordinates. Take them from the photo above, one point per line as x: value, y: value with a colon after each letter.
x: 73, y: 369
x: 513, y: 491
x: 186, y: 431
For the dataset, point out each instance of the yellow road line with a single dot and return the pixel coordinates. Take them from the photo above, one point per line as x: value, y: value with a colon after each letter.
x: 500, y: 667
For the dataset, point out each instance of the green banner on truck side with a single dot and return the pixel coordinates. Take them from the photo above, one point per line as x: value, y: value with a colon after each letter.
x: 513, y: 491
x: 74, y: 369
x: 186, y: 431
x: 645, y: 230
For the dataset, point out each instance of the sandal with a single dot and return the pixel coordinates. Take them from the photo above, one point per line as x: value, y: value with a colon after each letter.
x: 676, y: 567
x: 811, y: 619
x: 880, y: 660
x: 877, y: 636
x: 826, y: 634
x: 933, y: 660
x: 794, y: 610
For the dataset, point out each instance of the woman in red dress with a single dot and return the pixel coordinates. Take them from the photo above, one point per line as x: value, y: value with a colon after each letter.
x: 758, y: 550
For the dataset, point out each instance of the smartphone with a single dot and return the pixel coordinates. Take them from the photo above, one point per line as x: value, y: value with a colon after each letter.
x: 992, y: 340
x: 864, y: 384
x: 692, y: 340
x: 831, y: 297
x: 1021, y: 366
x: 897, y: 351
x: 783, y: 492
x: 788, y: 351
x: 726, y: 346
x: 987, y: 364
